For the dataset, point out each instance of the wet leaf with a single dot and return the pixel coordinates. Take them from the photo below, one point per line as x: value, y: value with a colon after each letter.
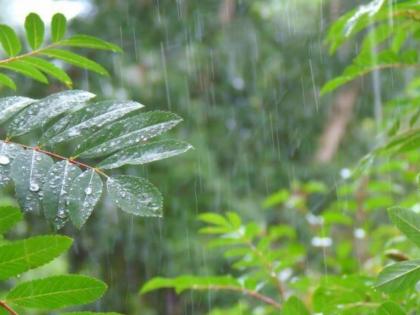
x: 28, y: 171
x: 135, y: 195
x: 127, y: 132
x: 85, y: 192
x: 142, y: 154
x: 10, y: 106
x: 41, y: 112
x: 56, y: 192
x: 88, y: 120
x: 8, y: 152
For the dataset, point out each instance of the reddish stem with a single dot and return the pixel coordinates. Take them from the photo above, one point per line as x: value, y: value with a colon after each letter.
x: 60, y: 157
x: 8, y: 308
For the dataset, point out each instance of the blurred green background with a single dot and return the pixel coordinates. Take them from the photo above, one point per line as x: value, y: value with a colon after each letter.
x: 245, y: 76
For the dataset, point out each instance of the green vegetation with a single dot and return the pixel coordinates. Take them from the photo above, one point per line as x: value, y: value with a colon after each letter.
x: 54, y: 292
x: 300, y: 208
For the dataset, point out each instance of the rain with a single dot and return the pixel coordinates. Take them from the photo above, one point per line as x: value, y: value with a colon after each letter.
x: 209, y: 157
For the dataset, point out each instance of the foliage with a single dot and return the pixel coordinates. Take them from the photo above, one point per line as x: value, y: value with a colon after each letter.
x: 386, y: 43
x: 53, y: 292
x: 114, y: 131
x: 33, y: 64
x: 347, y: 221
x: 256, y: 257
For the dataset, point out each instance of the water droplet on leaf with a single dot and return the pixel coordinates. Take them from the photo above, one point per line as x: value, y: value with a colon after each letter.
x: 4, y: 160
x: 34, y: 187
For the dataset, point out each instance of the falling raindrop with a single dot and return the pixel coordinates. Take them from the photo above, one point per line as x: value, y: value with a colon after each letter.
x: 4, y: 160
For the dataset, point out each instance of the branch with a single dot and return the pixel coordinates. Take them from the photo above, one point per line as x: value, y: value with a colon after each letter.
x: 269, y: 269
x: 251, y: 293
x: 60, y: 157
x: 10, y: 310
x: 28, y: 54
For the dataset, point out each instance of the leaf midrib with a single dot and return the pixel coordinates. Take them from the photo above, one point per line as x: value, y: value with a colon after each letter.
x: 398, y: 276
x: 98, y: 287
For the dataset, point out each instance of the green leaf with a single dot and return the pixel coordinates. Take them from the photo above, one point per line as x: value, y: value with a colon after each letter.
x: 22, y: 67
x: 8, y: 152
x: 76, y: 60
x: 294, y: 306
x: 20, y: 256
x: 10, y: 106
x: 28, y: 171
x: 56, y: 292
x: 35, y: 30
x: 9, y: 215
x: 49, y: 68
x: 7, y: 81
x: 56, y: 192
x: 58, y: 27
x: 41, y: 112
x: 399, y: 277
x: 89, y: 120
x: 135, y: 195
x: 213, y: 218
x: 85, y: 192
x: 87, y: 41
x: 187, y: 282
x: 92, y: 313
x: 142, y: 154
x: 335, y: 83
x: 390, y: 308
x: 9, y: 40
x: 407, y: 221
x: 126, y: 132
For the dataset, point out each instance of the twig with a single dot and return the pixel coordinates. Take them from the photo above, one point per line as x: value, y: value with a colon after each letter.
x: 28, y: 54
x: 8, y: 308
x: 251, y: 293
x: 60, y: 157
x: 269, y: 269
